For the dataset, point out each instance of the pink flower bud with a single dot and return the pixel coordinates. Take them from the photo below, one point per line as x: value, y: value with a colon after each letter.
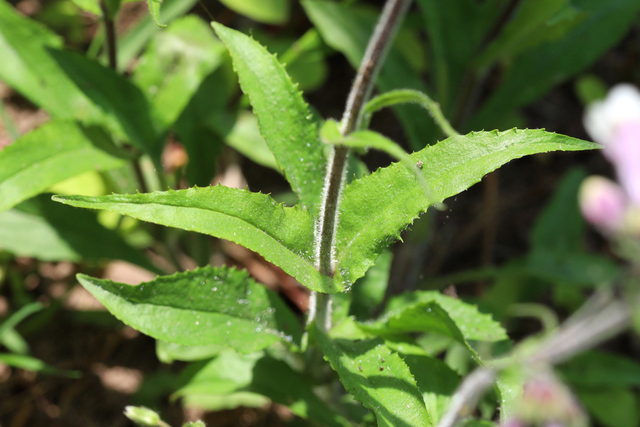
x: 547, y: 402
x: 603, y: 203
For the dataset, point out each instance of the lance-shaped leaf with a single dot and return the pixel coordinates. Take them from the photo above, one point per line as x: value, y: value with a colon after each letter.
x: 209, y: 305
x: 28, y: 67
x: 437, y: 381
x: 535, y: 72
x: 437, y: 313
x: 174, y: 65
x: 136, y: 38
x: 285, y: 121
x: 267, y: 11
x: 377, y: 208
x: 283, y: 236
x: 22, y: 361
x: 117, y: 97
x: 378, y: 378
x: 49, y: 231
x: 154, y: 10
x: 259, y: 374
x: 52, y: 153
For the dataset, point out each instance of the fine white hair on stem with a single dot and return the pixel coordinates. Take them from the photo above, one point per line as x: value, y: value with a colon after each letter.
x: 361, y: 88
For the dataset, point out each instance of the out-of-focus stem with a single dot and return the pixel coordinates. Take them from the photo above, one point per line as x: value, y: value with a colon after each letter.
x: 110, y: 32
x: 581, y: 332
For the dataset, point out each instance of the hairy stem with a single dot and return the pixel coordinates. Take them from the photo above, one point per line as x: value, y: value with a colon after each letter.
x: 360, y: 92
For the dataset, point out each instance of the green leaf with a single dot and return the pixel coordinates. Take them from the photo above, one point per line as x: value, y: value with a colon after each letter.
x: 560, y: 226
x: 404, y: 96
x: 285, y: 121
x: 612, y: 407
x: 49, y: 231
x: 205, y: 122
x: 473, y: 325
x: 276, y: 380
x: 119, y: 98
x: 17, y: 317
x: 175, y: 64
x: 135, y: 39
x: 378, y: 378
x: 437, y: 382
x: 246, y: 139
x: 168, y: 352
x: 306, y: 61
x: 36, y: 365
x: 540, y: 69
x: 205, y: 306
x: 535, y: 22
x: 154, y: 10
x: 384, y: 203
x: 433, y: 312
x: 267, y: 11
x: 52, y: 153
x: 28, y: 67
x: 510, y: 384
x: 224, y: 373
x: 348, y: 30
x: 113, y: 7
x: 573, y: 268
x: 365, y: 139
x: 229, y: 373
x: 557, y: 253
x: 14, y: 342
x: 284, y: 236
x: 456, y: 29
x: 92, y: 6
x: 596, y: 368
x: 368, y: 292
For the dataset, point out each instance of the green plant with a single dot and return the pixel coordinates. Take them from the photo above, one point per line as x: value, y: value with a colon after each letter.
x: 247, y: 343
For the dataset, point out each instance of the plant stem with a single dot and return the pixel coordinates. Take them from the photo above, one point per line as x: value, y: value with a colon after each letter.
x: 110, y: 32
x: 379, y: 43
x: 360, y: 92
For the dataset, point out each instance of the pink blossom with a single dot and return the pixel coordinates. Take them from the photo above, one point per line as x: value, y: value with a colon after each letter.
x: 624, y: 153
x: 615, y: 123
x: 603, y: 203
